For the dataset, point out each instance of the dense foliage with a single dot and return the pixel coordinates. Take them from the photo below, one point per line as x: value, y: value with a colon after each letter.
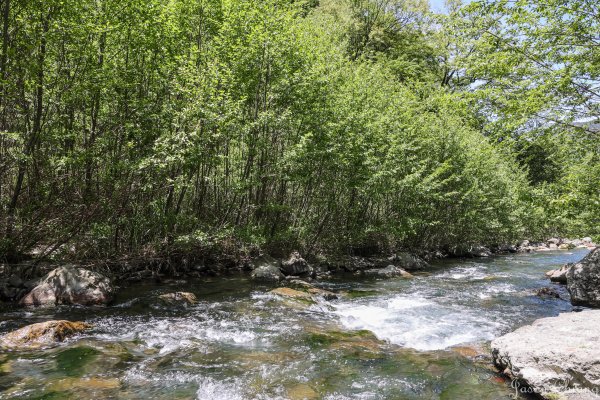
x: 130, y: 126
x: 535, y: 72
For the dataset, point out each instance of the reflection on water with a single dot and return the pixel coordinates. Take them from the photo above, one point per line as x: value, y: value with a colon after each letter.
x: 385, y: 339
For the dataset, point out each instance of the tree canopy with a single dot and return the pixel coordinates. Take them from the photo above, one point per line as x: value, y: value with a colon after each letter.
x: 145, y: 125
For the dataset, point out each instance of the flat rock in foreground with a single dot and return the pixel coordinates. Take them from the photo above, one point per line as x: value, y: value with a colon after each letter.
x: 557, y: 357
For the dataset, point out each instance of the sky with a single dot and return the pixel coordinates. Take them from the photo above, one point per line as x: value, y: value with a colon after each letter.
x: 437, y: 5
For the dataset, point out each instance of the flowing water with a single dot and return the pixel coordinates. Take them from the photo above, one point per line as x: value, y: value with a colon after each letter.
x: 421, y: 338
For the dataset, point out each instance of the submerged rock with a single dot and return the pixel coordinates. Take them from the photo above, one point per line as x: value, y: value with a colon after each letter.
x: 266, y: 269
x: 307, y: 294
x: 42, y: 334
x: 295, y: 265
x: 360, y: 343
x: 583, y: 280
x: 547, y: 292
x: 70, y: 285
x: 91, y: 384
x: 555, y: 357
x: 302, y: 391
x: 471, y: 351
x: 179, y: 298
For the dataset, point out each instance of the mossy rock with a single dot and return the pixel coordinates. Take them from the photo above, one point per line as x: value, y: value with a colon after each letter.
x: 294, y: 298
x: 86, y: 384
x: 5, y: 366
x: 355, y: 342
x: 291, y: 293
x: 72, y: 361
x: 43, y: 334
x: 301, y: 391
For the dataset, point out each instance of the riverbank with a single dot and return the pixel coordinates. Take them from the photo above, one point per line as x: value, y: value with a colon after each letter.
x: 16, y: 280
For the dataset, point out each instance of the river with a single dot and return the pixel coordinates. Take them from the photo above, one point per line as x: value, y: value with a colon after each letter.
x: 420, y: 338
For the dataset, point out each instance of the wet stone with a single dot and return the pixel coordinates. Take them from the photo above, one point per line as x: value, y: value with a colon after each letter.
x: 185, y: 298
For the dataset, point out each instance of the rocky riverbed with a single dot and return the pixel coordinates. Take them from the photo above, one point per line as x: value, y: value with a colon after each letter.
x: 348, y: 336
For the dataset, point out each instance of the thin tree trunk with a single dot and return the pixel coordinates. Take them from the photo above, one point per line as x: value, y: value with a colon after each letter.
x: 37, y: 125
x: 94, y: 121
x: 3, y: 62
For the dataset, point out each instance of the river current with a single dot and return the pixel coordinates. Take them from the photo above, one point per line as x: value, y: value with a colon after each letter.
x: 421, y: 338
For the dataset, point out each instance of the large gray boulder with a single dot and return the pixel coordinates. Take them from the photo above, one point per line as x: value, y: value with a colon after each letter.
x: 583, y: 280
x: 266, y: 269
x: 557, y: 357
x: 70, y: 285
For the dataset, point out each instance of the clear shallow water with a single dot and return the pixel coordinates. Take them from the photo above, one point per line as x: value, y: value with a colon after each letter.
x: 423, y: 338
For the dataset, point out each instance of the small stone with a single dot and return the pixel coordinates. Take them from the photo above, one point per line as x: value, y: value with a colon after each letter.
x: 547, y: 292
x: 179, y: 297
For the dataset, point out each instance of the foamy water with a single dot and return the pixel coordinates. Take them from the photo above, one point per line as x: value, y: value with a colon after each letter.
x: 418, y: 323
x: 463, y: 304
